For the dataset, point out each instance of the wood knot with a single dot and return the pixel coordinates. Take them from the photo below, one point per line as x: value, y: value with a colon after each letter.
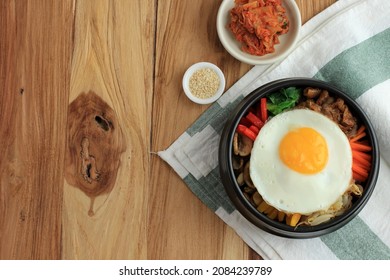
x: 95, y: 144
x: 103, y: 123
x: 88, y: 163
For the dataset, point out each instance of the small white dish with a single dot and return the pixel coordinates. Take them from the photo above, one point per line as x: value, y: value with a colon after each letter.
x: 287, y: 41
x: 191, y: 70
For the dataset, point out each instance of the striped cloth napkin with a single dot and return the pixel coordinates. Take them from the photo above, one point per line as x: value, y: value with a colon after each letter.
x: 348, y: 45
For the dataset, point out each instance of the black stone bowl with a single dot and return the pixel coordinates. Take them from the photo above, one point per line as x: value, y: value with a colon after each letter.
x: 241, y: 202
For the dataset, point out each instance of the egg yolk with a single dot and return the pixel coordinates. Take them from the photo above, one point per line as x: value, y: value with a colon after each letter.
x: 304, y: 150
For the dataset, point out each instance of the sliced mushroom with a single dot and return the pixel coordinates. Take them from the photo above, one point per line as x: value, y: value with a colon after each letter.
x: 240, y: 179
x: 257, y: 199
x: 249, y: 189
x: 247, y: 177
x: 242, y: 145
x: 247, y: 196
x: 238, y: 162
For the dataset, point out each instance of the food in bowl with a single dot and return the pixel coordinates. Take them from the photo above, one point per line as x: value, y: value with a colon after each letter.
x: 301, y: 156
x: 203, y: 82
x: 257, y: 25
x: 233, y: 47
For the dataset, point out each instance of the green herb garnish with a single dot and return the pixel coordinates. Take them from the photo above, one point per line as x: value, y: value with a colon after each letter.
x: 283, y: 99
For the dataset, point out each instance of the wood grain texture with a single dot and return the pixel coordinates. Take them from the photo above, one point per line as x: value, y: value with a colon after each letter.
x: 89, y: 91
x: 309, y: 9
x: 113, y: 59
x: 181, y: 227
x: 34, y: 90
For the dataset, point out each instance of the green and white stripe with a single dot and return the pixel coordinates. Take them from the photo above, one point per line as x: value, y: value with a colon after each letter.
x: 347, y: 45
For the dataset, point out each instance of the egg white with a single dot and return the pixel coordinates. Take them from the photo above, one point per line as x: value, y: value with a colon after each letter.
x: 291, y: 191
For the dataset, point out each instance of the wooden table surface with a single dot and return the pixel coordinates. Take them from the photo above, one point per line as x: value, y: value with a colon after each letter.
x: 89, y: 91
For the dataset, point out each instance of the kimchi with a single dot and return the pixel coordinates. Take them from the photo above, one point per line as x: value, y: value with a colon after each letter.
x: 257, y: 25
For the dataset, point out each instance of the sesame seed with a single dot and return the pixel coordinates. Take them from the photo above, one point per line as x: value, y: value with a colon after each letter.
x: 204, y: 83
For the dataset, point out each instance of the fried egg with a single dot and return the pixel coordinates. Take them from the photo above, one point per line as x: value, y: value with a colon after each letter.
x: 301, y: 162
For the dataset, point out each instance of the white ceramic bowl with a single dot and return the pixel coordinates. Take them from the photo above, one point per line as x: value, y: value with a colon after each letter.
x: 287, y: 41
x: 191, y: 70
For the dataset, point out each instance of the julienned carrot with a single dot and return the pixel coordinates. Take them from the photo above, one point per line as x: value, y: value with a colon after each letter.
x: 359, y: 134
x: 361, y: 158
x: 358, y: 177
x: 360, y: 130
x: 357, y: 137
x: 362, y: 162
x: 361, y: 155
x: 359, y: 169
x: 360, y: 147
